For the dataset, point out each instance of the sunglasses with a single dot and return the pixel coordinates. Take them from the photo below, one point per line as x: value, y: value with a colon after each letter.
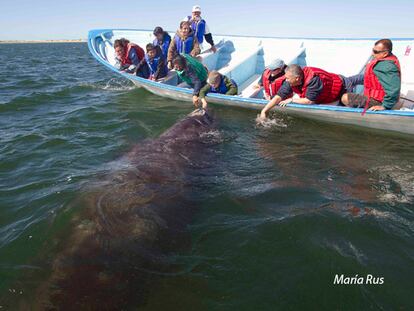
x: 377, y: 52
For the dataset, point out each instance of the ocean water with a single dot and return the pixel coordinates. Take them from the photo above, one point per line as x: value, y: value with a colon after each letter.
x: 278, y: 214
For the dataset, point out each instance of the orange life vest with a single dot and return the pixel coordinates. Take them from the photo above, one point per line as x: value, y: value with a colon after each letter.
x: 332, y: 85
x: 372, y: 86
x: 140, y: 53
x: 271, y: 88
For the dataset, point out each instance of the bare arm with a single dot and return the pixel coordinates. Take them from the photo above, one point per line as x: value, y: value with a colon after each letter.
x: 304, y: 101
x: 265, y: 111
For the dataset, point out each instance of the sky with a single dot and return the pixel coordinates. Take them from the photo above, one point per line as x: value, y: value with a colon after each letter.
x: 72, y: 19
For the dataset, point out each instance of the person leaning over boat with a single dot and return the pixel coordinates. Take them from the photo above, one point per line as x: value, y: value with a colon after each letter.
x: 184, y: 42
x: 382, y: 80
x: 272, y: 78
x: 192, y: 72
x: 200, y: 28
x: 217, y: 83
x: 162, y: 39
x: 155, y: 63
x: 128, y: 55
x: 313, y: 85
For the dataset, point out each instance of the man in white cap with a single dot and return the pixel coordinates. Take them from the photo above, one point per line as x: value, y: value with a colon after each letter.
x: 200, y: 27
x: 272, y: 78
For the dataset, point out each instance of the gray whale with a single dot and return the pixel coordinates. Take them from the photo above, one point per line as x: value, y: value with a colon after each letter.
x: 134, y: 220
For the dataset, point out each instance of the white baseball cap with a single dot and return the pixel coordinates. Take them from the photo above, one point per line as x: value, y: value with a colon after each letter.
x: 196, y: 8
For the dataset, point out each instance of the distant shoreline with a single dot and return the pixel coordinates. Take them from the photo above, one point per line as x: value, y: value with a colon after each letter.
x: 43, y: 41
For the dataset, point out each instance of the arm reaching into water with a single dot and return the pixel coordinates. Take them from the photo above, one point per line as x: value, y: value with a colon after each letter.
x: 265, y: 111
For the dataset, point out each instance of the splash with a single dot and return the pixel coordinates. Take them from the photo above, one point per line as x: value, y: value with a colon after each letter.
x: 270, y: 123
x: 113, y: 84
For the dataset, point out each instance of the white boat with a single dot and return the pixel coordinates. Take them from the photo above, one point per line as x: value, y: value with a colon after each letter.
x: 244, y: 58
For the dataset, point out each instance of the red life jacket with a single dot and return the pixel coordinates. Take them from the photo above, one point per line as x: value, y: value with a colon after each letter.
x: 372, y: 86
x: 271, y: 88
x: 332, y: 85
x: 140, y: 53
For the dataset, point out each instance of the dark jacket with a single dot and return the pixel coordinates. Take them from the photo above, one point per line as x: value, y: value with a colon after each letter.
x: 164, y: 44
x: 162, y: 69
x: 231, y: 87
x: 190, y: 74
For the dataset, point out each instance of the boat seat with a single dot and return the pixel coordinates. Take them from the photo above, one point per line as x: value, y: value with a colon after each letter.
x: 242, y: 69
x: 247, y: 89
x: 211, y: 60
x: 108, y: 51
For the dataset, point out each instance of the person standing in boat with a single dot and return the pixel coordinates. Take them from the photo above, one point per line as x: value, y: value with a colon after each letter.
x: 382, y: 80
x: 154, y: 63
x: 217, y: 83
x: 313, y: 85
x: 128, y: 55
x: 184, y: 42
x: 192, y: 72
x: 200, y: 28
x: 162, y: 39
x: 272, y: 78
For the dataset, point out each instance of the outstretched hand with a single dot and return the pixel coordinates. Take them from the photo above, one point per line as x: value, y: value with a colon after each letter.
x: 262, y: 116
x: 283, y: 103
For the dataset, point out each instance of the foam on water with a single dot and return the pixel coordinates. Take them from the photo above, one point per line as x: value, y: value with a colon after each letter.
x: 396, y: 183
x: 273, y: 122
x: 113, y: 84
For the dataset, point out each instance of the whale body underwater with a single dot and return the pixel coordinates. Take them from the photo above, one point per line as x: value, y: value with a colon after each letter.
x: 135, y: 219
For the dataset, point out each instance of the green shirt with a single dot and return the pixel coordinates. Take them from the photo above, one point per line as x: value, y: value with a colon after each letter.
x: 231, y: 88
x: 389, y: 77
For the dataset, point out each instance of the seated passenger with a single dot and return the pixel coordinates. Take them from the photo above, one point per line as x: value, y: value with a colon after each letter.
x: 162, y: 39
x: 313, y: 85
x: 184, y: 42
x: 382, y: 80
x: 272, y: 78
x: 200, y: 28
x: 217, y: 83
x: 155, y: 62
x: 192, y: 72
x: 128, y: 55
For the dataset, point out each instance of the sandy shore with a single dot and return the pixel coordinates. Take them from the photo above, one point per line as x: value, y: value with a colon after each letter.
x: 43, y: 41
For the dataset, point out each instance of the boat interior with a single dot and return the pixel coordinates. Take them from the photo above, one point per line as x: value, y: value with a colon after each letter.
x: 243, y: 59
